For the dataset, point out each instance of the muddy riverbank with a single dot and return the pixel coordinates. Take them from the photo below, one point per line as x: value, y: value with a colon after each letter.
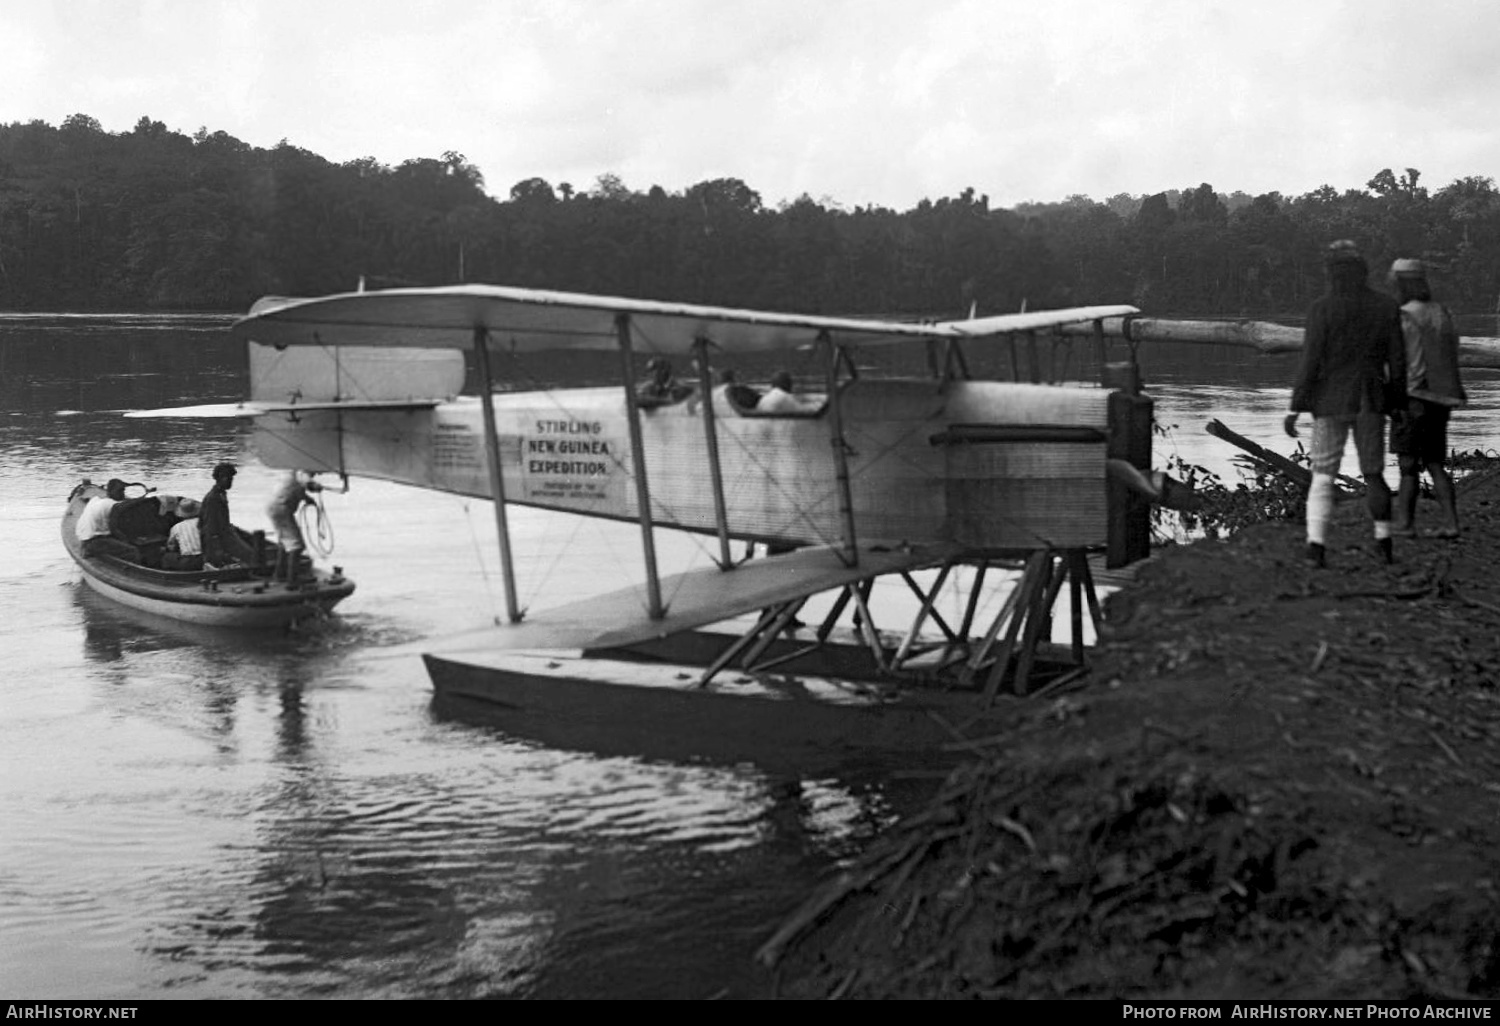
x: 1277, y: 782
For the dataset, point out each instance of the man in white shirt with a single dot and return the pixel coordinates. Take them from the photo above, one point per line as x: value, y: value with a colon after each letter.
x: 294, y: 492
x: 735, y: 395
x: 184, y: 543
x: 92, y: 526
x: 780, y: 399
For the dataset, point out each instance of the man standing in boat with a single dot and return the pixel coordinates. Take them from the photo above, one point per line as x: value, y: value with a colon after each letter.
x: 222, y: 544
x: 294, y: 492
x: 1353, y: 372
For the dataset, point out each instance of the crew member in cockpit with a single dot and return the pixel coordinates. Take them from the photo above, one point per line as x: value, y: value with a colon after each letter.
x: 741, y: 396
x: 781, y: 397
x: 662, y: 387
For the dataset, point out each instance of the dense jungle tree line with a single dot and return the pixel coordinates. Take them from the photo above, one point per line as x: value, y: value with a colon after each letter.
x: 155, y: 219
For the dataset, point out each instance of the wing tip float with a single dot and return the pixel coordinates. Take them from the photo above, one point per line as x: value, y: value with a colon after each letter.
x: 259, y: 409
x: 208, y: 411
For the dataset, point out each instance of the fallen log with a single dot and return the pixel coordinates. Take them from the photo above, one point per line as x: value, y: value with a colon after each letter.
x: 1296, y: 473
x: 1263, y: 336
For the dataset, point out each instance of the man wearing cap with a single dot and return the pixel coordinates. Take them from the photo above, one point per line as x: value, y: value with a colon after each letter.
x: 1353, y: 372
x: 661, y: 387
x: 222, y: 544
x: 1419, y: 432
x: 184, y: 543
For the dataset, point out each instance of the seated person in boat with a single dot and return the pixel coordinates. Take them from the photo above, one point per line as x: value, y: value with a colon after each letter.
x: 222, y: 544
x: 184, y: 549
x: 662, y: 387
x: 741, y: 397
x: 93, y: 528
x: 145, y: 522
x: 781, y: 398
x: 294, y: 493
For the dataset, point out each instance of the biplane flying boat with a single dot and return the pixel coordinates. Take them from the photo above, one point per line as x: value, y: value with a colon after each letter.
x: 867, y: 477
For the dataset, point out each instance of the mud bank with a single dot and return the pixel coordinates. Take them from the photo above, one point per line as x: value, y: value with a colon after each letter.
x: 1277, y: 782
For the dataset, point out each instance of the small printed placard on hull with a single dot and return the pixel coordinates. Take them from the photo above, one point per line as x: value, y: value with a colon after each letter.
x: 456, y: 447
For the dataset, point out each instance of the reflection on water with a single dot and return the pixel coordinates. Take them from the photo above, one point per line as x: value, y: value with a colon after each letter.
x: 243, y: 828
x: 210, y: 814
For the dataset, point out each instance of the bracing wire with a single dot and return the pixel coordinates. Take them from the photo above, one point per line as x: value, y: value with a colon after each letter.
x: 484, y: 572
x: 546, y: 575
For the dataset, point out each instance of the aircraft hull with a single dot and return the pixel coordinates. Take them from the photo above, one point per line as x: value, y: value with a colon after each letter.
x: 657, y: 711
x: 925, y: 465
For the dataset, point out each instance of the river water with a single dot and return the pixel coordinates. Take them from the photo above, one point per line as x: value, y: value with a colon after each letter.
x: 202, y: 814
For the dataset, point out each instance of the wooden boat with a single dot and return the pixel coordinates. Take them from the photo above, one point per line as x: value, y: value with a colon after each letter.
x: 245, y: 597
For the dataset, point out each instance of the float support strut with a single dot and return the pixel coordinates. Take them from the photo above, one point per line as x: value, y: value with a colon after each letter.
x: 711, y: 437
x: 850, y: 554
x: 497, y: 479
x: 638, y: 464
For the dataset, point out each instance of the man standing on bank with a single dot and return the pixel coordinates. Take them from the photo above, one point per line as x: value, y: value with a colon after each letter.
x: 1419, y: 433
x: 1353, y: 373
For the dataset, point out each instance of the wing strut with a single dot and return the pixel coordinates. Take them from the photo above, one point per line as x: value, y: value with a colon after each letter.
x: 711, y: 436
x: 833, y: 354
x: 497, y: 481
x: 638, y: 461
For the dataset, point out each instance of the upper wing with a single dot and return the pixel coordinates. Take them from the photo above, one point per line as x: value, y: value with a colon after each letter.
x: 448, y: 317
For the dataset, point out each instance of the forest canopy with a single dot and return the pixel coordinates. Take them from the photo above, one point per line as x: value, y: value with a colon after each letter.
x: 155, y: 219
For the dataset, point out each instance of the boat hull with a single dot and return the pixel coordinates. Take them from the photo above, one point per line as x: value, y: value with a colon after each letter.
x: 225, y: 598
x: 224, y: 607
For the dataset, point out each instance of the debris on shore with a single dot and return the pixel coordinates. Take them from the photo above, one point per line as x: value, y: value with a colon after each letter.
x: 1277, y: 782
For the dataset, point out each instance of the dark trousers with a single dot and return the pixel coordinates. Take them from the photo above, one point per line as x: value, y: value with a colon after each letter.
x: 177, y: 561
x: 104, y: 545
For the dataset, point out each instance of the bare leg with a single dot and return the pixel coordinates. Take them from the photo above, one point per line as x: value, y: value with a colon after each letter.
x: 1378, y: 498
x: 1442, y: 487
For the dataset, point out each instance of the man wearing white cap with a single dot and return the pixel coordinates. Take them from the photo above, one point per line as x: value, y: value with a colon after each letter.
x: 1419, y: 431
x: 184, y: 549
x: 1353, y: 373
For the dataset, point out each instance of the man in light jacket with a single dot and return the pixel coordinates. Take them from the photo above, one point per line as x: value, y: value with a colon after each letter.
x: 1419, y: 431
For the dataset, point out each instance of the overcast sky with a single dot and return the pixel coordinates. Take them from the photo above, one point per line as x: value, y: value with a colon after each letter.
x: 853, y: 101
